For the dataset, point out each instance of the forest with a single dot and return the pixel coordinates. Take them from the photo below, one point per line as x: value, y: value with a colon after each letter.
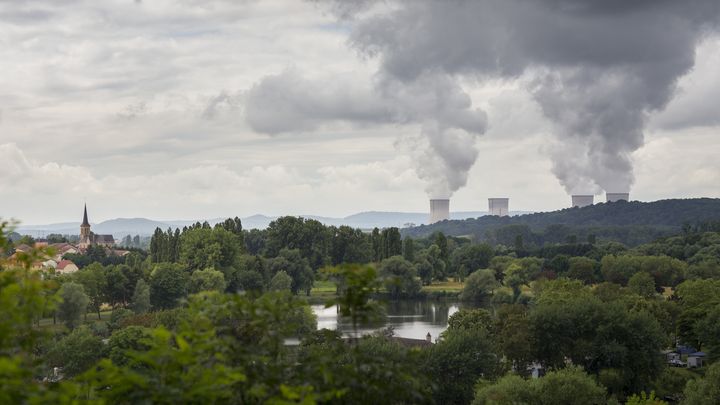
x: 630, y: 223
x: 221, y: 314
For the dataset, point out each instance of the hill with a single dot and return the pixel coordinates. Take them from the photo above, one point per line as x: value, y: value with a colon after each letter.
x: 631, y: 223
x: 120, y: 227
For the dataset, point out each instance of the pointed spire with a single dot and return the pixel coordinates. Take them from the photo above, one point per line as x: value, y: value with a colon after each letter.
x: 85, y: 219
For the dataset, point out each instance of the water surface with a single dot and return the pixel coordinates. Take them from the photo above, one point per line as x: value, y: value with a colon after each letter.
x: 409, y: 319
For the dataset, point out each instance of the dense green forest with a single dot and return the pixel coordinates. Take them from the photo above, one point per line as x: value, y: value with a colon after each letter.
x: 631, y: 223
x: 208, y: 314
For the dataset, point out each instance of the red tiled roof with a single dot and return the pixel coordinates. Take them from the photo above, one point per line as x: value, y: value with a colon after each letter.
x: 64, y: 263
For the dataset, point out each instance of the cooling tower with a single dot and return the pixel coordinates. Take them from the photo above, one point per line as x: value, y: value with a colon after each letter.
x: 439, y: 210
x: 579, y: 200
x: 612, y: 197
x: 498, y: 206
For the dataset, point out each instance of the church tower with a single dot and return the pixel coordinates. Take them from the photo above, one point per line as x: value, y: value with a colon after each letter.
x: 85, y: 231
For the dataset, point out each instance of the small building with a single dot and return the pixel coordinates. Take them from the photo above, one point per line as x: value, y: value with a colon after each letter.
x: 695, y: 360
x: 23, y: 248
x: 66, y: 267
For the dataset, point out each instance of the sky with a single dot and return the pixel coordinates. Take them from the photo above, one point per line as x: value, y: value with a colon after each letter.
x: 189, y: 109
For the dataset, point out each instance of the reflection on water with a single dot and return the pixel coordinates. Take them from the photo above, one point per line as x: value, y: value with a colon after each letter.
x: 410, y: 319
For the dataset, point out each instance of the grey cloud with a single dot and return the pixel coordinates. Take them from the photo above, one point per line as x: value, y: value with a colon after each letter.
x: 288, y: 102
x: 600, y: 66
x: 446, y: 150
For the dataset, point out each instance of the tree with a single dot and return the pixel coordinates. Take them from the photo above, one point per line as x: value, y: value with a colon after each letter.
x: 141, y: 297
x: 357, y: 283
x: 398, y: 276
x: 280, y: 282
x: 391, y: 242
x: 432, y: 256
x: 597, y: 336
x: 582, y: 268
x: 249, y: 280
x: 168, y: 284
x: 566, y: 386
x: 73, y: 303
x: 514, y: 336
x: 119, y: 289
x: 457, y: 361
x: 706, y: 390
x: 479, y: 286
x: 424, y: 271
x: 297, y: 267
x: 94, y: 283
x: 203, y: 248
x: 126, y: 339
x: 207, y: 280
x: 409, y: 249
x: 473, y: 257
x: 471, y: 319
x: 76, y: 352
x: 442, y: 244
x: 645, y: 399
x: 642, y: 284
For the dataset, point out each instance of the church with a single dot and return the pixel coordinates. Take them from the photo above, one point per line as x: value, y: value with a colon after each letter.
x: 87, y: 238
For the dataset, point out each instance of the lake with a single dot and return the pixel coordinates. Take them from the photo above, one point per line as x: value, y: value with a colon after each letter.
x: 409, y: 319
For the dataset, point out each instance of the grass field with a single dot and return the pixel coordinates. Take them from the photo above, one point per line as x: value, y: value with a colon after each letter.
x: 450, y: 286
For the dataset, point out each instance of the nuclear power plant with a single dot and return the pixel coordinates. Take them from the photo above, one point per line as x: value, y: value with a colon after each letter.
x: 439, y: 209
x: 498, y: 206
x: 582, y: 200
x: 612, y: 197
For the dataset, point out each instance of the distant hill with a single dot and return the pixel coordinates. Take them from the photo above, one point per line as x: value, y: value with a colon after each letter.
x: 120, y: 227
x: 628, y: 222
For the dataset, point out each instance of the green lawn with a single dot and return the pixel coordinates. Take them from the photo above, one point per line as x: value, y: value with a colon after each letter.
x: 450, y: 286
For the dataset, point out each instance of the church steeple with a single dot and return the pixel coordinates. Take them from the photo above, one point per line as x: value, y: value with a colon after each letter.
x: 85, y: 220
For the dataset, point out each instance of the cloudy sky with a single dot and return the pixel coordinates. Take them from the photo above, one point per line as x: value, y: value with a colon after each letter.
x: 185, y: 109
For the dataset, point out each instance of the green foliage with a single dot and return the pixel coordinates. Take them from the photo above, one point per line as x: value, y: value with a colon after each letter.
x: 117, y: 318
x: 356, y: 284
x: 457, y: 361
x: 645, y: 399
x: 409, y: 249
x: 471, y: 319
x: 398, y: 276
x: 73, y: 303
x: 297, y: 267
x: 697, y: 299
x: 141, y: 297
x: 280, y: 282
x: 168, y: 284
x: 309, y: 236
x: 706, y: 390
x: 203, y: 248
x: 177, y: 368
x: 76, y: 352
x: 473, y: 257
x: 598, y: 336
x: 672, y: 381
x: 479, y: 286
x: 207, y: 280
x: 127, y: 340
x: 514, y: 335
x: 432, y: 265
x: 582, y: 268
x: 642, y: 284
x: 566, y: 386
x: 94, y: 283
